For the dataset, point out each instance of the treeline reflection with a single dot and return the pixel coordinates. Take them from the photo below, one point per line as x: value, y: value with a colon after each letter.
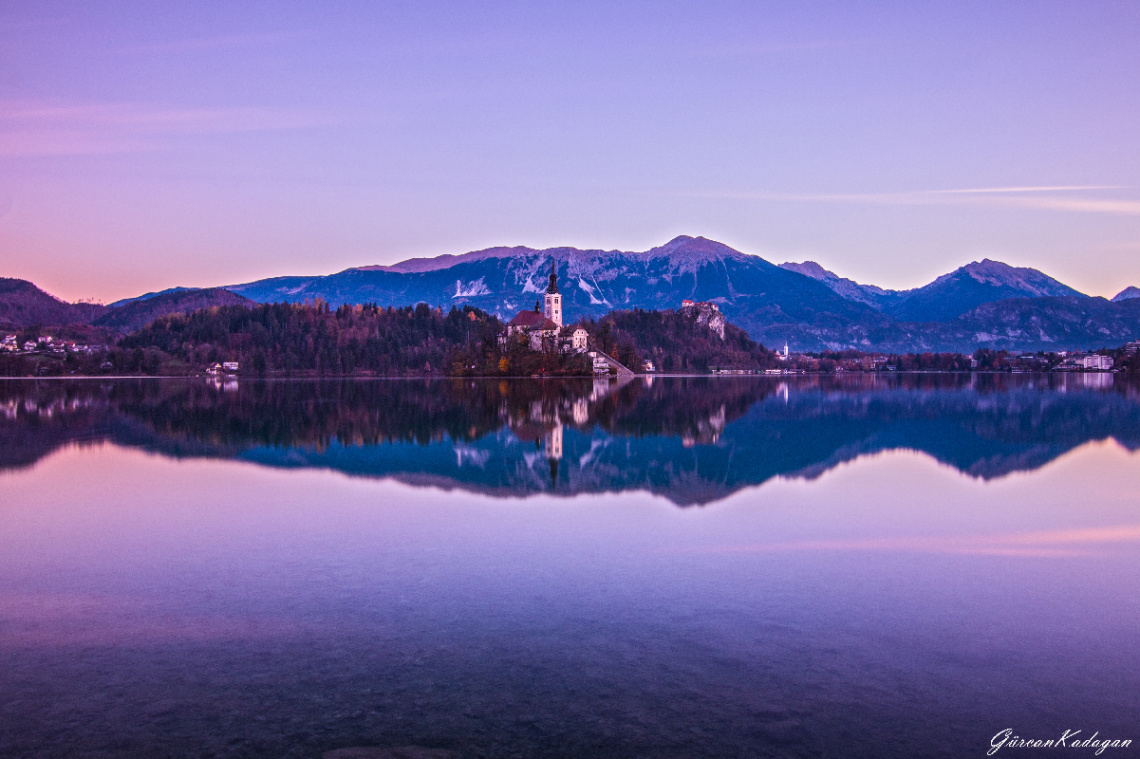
x: 693, y: 440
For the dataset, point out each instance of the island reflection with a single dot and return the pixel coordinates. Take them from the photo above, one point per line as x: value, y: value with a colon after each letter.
x: 692, y: 440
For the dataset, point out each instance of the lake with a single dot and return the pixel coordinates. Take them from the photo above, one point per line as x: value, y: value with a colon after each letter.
x: 860, y: 566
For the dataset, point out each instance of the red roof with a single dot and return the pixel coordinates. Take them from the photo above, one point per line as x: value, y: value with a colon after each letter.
x: 532, y: 320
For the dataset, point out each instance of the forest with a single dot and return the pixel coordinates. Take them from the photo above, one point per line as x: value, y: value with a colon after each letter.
x: 312, y: 339
x: 293, y: 339
x: 675, y: 342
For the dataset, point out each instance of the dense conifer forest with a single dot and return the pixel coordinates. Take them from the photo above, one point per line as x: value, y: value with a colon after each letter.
x: 293, y: 339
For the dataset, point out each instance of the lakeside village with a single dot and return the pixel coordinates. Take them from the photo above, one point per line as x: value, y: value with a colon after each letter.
x: 368, y: 340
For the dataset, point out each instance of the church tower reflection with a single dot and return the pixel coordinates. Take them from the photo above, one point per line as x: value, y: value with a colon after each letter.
x: 552, y: 442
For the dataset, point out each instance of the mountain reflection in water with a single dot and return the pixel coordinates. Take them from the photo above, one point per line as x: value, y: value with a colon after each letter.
x: 691, y: 440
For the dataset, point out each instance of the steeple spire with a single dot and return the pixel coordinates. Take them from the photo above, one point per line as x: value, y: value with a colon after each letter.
x: 553, y: 298
x: 552, y: 288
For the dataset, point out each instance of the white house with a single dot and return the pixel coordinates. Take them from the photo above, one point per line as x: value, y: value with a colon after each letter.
x: 1095, y: 361
x: 573, y: 340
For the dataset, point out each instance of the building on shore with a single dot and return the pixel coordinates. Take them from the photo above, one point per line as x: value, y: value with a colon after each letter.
x: 543, y: 328
x: 227, y: 367
x: 1087, y: 362
x: 1097, y: 362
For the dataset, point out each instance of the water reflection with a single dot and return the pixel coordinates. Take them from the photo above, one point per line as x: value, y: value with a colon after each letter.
x: 692, y: 440
x: 188, y: 604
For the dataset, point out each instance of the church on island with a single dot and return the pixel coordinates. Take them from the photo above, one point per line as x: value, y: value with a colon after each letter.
x: 543, y: 328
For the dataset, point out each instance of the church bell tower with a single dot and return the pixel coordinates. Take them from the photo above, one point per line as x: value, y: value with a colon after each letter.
x: 553, y: 308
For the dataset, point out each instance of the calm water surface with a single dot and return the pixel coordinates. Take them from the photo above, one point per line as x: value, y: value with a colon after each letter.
x: 720, y: 567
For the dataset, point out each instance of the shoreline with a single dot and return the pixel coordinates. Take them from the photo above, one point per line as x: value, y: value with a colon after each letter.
x: 654, y: 375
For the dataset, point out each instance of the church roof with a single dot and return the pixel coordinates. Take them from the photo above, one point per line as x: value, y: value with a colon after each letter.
x: 532, y: 320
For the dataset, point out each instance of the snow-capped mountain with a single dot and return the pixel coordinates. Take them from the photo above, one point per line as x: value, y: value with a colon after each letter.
x: 873, y: 296
x: 949, y: 296
x: 974, y: 284
x: 982, y: 304
x: 1126, y: 294
x: 804, y: 304
x: 752, y: 292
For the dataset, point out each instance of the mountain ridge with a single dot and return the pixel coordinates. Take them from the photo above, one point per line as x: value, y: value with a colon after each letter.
x: 804, y: 303
x: 975, y: 284
x: 948, y: 296
x: 1126, y: 294
x: 24, y: 305
x: 502, y: 281
x: 801, y: 303
x: 136, y: 314
x: 872, y: 295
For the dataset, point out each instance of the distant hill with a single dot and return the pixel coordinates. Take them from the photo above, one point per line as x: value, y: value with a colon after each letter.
x: 876, y: 297
x: 947, y: 297
x: 1031, y: 324
x: 677, y: 341
x: 137, y: 313
x: 964, y: 289
x: 148, y: 296
x: 22, y: 305
x: 1126, y: 294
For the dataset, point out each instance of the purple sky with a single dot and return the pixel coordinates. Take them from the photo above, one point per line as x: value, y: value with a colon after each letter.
x: 143, y: 147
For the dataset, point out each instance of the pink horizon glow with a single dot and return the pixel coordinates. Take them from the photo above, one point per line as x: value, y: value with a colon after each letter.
x: 147, y: 148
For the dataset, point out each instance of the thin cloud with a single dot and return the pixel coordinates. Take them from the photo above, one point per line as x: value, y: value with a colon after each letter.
x: 1078, y: 205
x: 1030, y: 189
x: 1071, y: 542
x: 1029, y: 197
x: 34, y: 128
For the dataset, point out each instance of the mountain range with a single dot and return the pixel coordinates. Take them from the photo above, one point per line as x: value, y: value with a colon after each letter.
x: 983, y: 304
x: 949, y: 296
